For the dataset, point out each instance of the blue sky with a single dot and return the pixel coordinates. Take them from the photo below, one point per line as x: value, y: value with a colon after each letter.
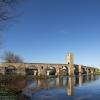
x: 48, y: 29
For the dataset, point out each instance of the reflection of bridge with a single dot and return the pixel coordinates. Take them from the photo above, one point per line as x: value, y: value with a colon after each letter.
x: 47, y: 69
x: 57, y: 83
x: 35, y: 85
x: 60, y: 82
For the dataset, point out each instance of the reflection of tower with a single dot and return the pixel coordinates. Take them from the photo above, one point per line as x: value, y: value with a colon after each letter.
x: 70, y: 86
x: 70, y: 63
x: 80, y: 80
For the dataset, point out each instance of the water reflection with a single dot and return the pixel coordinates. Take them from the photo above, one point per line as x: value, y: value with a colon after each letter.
x: 58, y: 83
x: 30, y: 86
x: 11, y: 88
x: 78, y: 81
x: 70, y: 86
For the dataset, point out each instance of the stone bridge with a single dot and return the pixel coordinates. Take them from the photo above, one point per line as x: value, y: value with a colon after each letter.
x: 47, y: 69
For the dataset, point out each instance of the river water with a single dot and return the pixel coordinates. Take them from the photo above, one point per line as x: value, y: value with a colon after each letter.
x: 60, y: 88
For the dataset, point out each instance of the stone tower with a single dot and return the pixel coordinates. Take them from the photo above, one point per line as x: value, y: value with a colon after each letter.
x: 70, y: 62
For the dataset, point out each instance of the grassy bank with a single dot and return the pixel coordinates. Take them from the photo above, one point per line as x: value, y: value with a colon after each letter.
x: 97, y: 72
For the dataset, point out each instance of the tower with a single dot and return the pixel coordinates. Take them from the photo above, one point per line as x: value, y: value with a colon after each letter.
x: 70, y: 62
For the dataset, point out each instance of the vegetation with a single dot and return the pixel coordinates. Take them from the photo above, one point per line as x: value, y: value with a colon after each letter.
x: 7, y: 13
x: 6, y: 8
x: 98, y: 72
x: 10, y: 57
x: 5, y: 91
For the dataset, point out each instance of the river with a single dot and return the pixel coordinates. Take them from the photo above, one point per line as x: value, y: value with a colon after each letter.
x: 60, y: 88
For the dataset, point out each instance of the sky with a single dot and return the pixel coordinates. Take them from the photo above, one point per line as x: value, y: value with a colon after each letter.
x: 48, y: 29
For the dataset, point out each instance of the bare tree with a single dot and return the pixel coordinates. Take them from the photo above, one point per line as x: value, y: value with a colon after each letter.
x: 10, y: 57
x: 7, y: 12
x: 6, y: 7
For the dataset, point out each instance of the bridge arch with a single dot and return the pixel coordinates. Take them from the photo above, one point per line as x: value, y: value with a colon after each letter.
x: 83, y: 70
x: 50, y: 70
x: 65, y: 70
x: 10, y: 70
x: 31, y: 70
x: 76, y: 69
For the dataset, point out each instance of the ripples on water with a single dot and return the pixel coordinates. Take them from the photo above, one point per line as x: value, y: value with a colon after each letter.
x: 60, y: 88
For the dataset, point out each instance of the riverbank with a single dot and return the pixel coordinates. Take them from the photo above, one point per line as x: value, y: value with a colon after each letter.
x: 97, y: 73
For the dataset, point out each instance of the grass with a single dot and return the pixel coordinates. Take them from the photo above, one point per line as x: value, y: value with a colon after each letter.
x: 97, y: 72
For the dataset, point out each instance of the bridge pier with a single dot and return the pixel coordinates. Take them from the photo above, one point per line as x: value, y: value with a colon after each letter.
x: 80, y: 69
x: 20, y: 71
x: 92, y: 71
x: 35, y: 72
x: 87, y: 71
x: 57, y: 71
x: 48, y: 73
x: 41, y: 70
